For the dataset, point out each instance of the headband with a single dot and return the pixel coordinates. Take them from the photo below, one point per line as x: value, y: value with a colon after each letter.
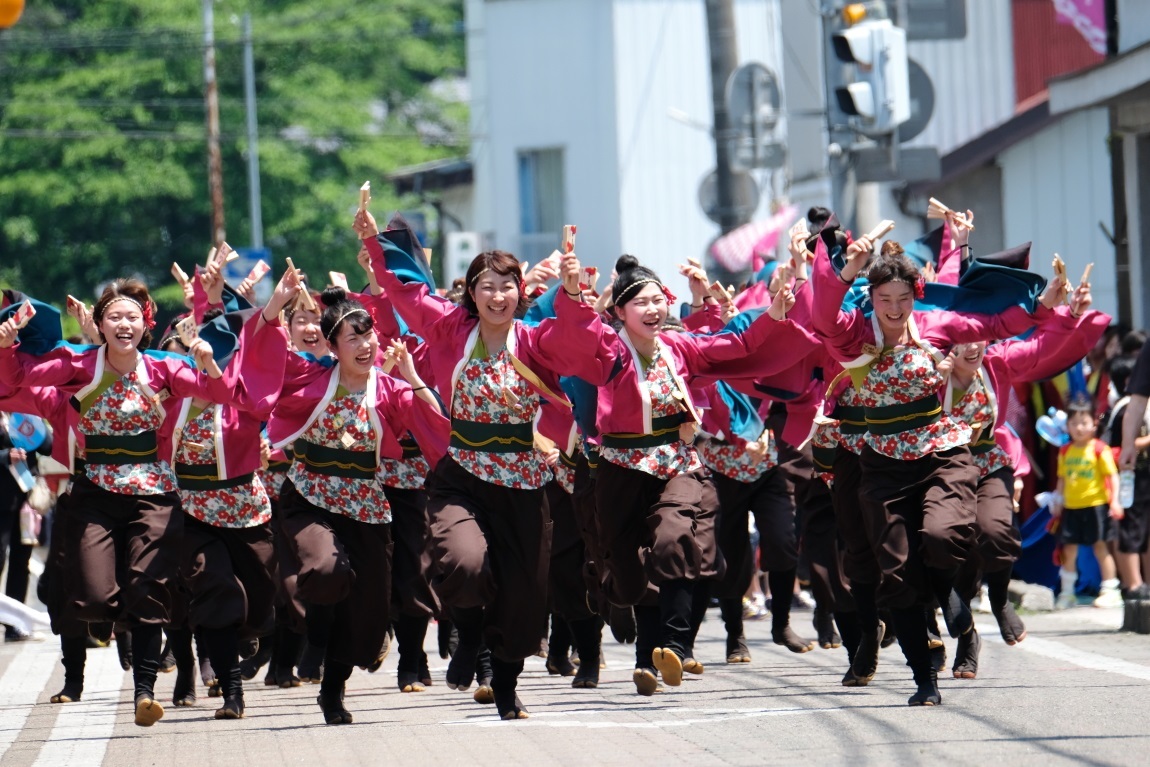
x: 343, y: 317
x: 146, y: 311
x: 627, y: 293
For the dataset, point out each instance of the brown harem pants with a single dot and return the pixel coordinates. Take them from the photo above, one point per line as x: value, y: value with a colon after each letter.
x: 126, y: 550
x: 345, y: 564
x: 491, y: 547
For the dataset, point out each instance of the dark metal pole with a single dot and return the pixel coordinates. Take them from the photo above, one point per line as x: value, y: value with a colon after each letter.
x: 212, y: 103
x: 724, y: 60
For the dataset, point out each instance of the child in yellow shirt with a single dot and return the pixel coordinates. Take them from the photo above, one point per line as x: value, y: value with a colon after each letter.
x: 1087, y: 496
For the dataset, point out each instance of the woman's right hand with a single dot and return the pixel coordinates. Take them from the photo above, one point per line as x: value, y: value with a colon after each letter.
x: 856, y: 255
x: 364, y: 224
x: 286, y: 290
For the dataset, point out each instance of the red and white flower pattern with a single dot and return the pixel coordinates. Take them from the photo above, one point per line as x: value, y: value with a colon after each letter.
x: 245, y: 505
x: 974, y: 407
x: 405, y: 474
x: 827, y: 435
x: 125, y: 409
x: 663, y: 461
x: 484, y: 393
x: 734, y: 461
x: 360, y: 499
x: 272, y: 482
x: 565, y: 476
x: 899, y: 376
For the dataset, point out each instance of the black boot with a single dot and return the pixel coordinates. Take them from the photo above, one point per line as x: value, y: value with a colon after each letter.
x: 331, y: 690
x: 285, y: 655
x: 146, y: 648
x: 74, y: 652
x: 222, y: 645
x: 251, y: 666
x: 179, y: 644
x: 448, y: 638
x: 731, y: 609
x: 124, y: 650
x: 311, y: 663
x: 910, y: 626
x: 966, y: 655
x: 955, y: 612
x: 483, y: 675
x: 782, y: 583
x: 700, y: 601
x: 676, y: 598
x: 934, y: 640
x: 559, y: 648
x: 1011, y: 627
x: 871, y: 631
x: 588, y: 635
x: 207, y: 673
x: 461, y: 670
x: 824, y: 624
x: 648, y: 627
x: 505, y: 677
x: 410, y: 631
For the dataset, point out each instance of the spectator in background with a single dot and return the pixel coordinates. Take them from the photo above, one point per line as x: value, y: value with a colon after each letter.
x: 1134, y: 416
x: 12, y: 499
x: 1086, y: 504
x: 1134, y: 527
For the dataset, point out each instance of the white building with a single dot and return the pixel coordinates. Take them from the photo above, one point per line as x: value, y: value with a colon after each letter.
x: 597, y: 113
x: 572, y: 104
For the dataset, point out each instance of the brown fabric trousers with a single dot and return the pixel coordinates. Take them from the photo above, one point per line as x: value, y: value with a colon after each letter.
x: 774, y: 511
x: 411, y: 592
x: 921, y: 515
x: 491, y: 548
x: 859, y: 562
x: 568, y: 586
x: 228, y: 573
x: 998, y: 542
x: 346, y: 564
x: 126, y: 554
x: 648, y: 528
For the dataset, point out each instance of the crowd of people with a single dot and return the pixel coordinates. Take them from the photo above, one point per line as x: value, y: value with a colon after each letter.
x: 305, y: 483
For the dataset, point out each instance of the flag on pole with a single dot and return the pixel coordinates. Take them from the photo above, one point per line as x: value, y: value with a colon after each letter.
x: 736, y: 250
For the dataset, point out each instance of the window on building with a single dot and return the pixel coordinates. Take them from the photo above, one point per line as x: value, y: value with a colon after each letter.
x: 541, y: 203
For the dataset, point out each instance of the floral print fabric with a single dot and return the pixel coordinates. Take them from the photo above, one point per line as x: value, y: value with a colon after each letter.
x: 245, y: 505
x: 734, y: 462
x: 663, y: 461
x: 900, y: 376
x: 123, y: 408
x: 974, y: 408
x: 489, y: 390
x: 344, y: 425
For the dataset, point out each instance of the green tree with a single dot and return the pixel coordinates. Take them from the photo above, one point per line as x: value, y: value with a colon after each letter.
x: 103, y: 168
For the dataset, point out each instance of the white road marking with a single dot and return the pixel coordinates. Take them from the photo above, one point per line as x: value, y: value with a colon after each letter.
x: 710, y: 715
x: 21, y: 685
x: 1048, y: 648
x: 82, y: 729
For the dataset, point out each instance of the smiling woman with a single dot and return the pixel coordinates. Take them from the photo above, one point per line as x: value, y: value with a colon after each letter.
x: 918, y: 477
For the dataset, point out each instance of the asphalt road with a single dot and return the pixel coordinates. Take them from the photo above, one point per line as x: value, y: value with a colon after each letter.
x: 1075, y: 692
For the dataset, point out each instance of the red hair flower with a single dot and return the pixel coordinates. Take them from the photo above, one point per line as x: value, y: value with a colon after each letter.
x: 149, y: 315
x: 670, y: 296
x: 920, y: 287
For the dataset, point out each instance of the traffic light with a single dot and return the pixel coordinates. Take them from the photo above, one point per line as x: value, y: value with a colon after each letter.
x: 879, y: 96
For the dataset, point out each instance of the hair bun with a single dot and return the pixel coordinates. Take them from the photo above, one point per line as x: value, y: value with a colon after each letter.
x: 625, y: 263
x: 332, y: 295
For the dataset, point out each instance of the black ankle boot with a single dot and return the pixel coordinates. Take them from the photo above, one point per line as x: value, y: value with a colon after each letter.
x: 146, y: 648
x: 504, y: 679
x: 331, y: 692
x: 731, y: 610
x: 74, y: 652
x: 461, y: 669
x: 588, y: 634
x: 927, y: 693
x: 824, y: 624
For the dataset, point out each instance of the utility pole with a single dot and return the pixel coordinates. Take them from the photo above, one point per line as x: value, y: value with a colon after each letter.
x: 212, y: 103
x: 724, y: 59
x: 257, y: 216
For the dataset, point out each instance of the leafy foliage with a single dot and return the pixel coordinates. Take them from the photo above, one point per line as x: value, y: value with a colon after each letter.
x: 103, y: 153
